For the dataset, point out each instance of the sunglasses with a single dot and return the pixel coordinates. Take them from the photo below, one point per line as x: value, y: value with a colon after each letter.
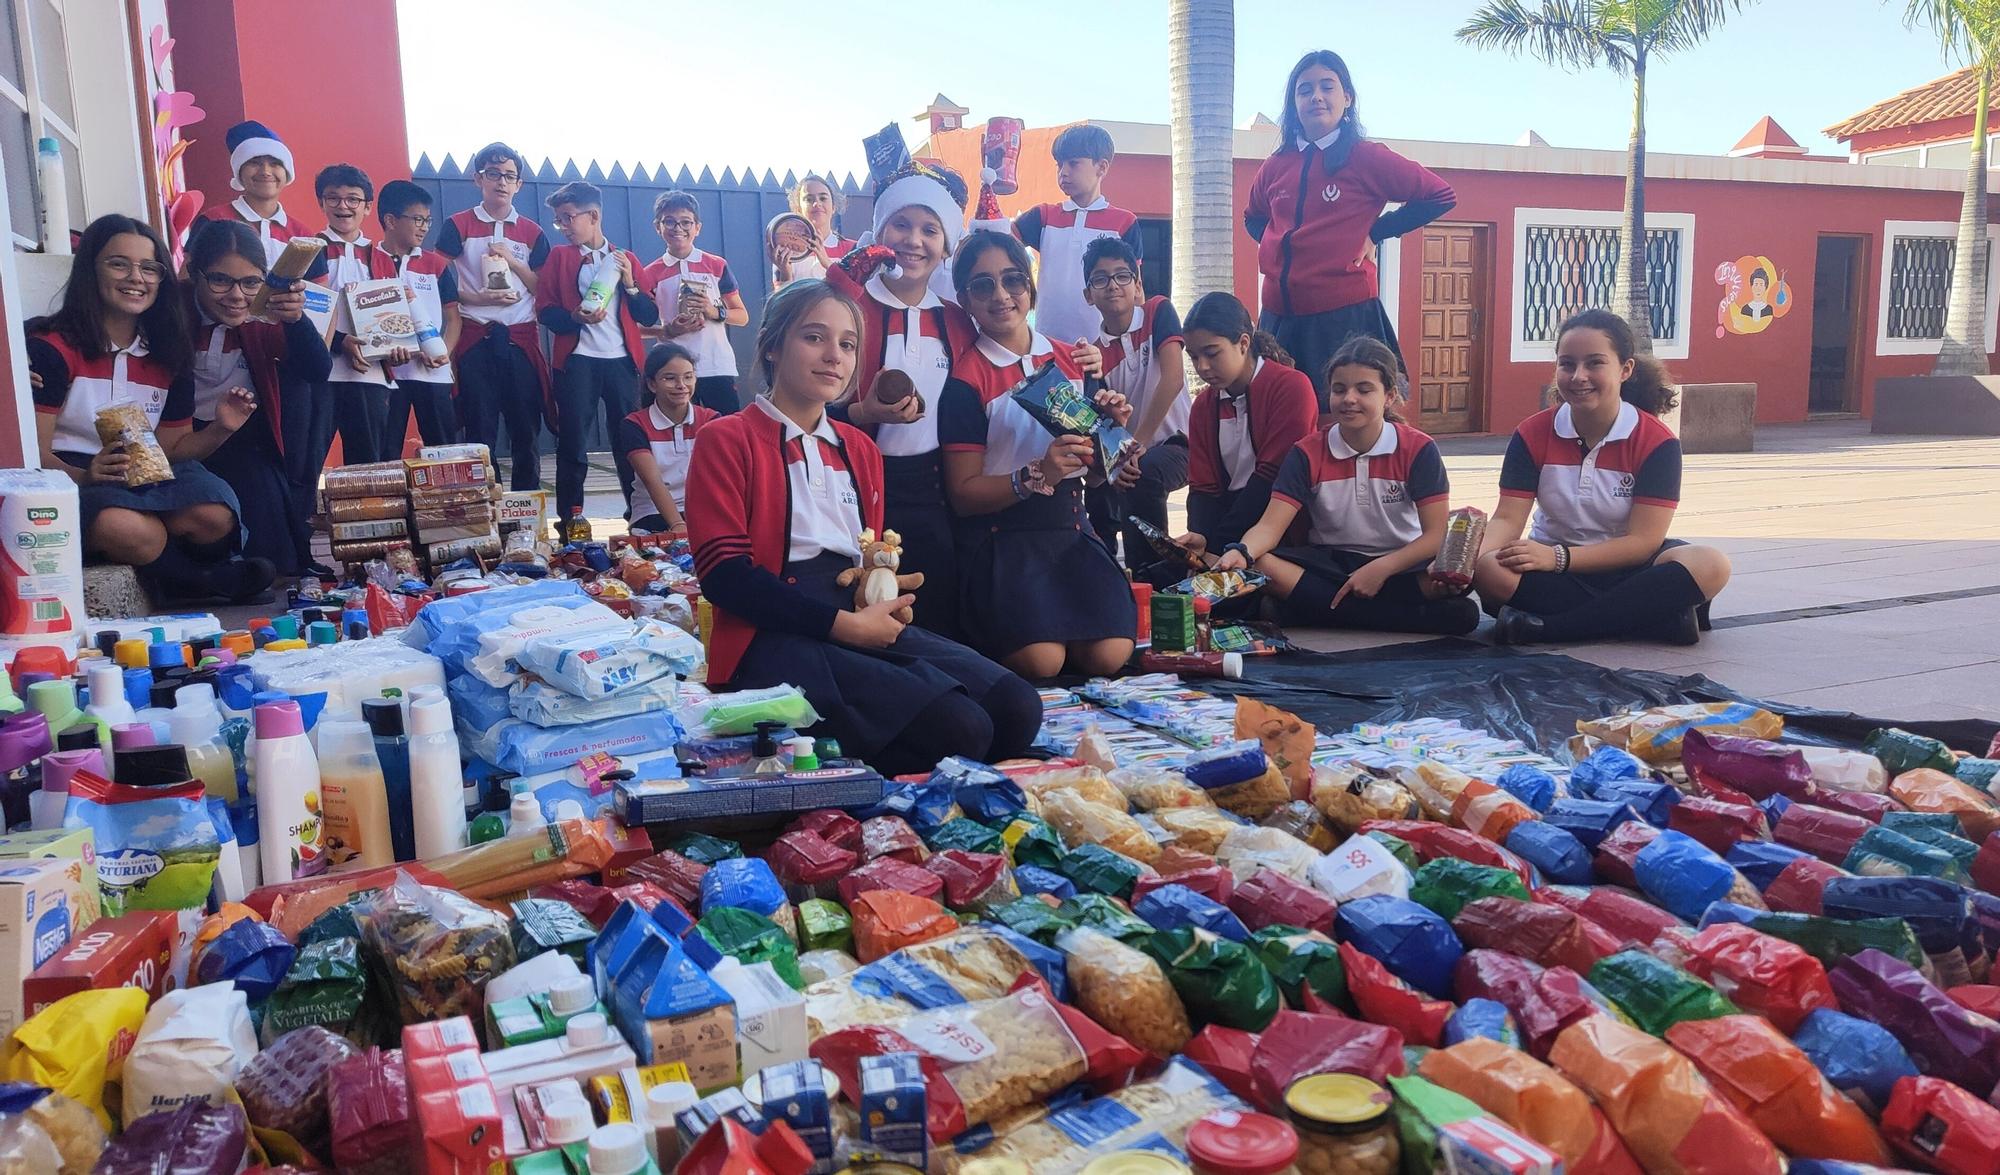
x: 985, y: 286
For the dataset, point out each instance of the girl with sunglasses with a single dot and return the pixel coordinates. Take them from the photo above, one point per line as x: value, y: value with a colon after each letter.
x: 119, y: 338
x: 274, y: 358
x: 1039, y: 592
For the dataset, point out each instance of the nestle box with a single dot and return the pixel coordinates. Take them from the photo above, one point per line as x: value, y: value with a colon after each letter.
x: 131, y: 950
x: 670, y: 1010
x: 68, y: 844
x: 38, y: 909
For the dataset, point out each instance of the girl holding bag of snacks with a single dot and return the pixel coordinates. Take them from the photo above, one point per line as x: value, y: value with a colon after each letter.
x: 116, y: 350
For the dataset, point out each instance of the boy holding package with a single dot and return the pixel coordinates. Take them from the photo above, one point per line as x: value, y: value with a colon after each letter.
x: 423, y: 381
x: 697, y: 299
x: 1061, y: 232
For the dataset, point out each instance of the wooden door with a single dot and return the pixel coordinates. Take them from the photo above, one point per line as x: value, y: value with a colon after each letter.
x: 1454, y: 279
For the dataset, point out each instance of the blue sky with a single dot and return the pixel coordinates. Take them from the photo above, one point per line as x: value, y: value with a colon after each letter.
x: 742, y: 92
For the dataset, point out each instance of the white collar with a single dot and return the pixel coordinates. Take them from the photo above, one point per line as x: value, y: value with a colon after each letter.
x: 1096, y: 205
x: 660, y: 420
x: 334, y: 238
x: 403, y: 258
x: 1002, y: 357
x: 249, y: 214
x: 138, y: 349
x: 792, y: 430
x: 880, y: 291
x: 830, y: 240
x: 668, y: 259
x: 604, y: 250
x: 1138, y: 326
x: 1384, y: 444
x: 479, y: 212
x: 1628, y: 419
x: 1322, y: 144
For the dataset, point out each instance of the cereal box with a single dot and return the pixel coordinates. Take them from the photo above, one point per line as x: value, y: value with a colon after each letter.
x: 131, y: 950
x: 69, y: 844
x: 38, y: 907
x: 381, y: 316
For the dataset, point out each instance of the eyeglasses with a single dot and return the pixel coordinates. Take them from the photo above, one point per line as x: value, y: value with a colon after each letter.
x: 986, y: 285
x: 1123, y: 279
x: 150, y: 272
x: 219, y: 283
x: 500, y: 177
x: 566, y: 221
x: 683, y: 223
x: 423, y: 223
x: 345, y: 201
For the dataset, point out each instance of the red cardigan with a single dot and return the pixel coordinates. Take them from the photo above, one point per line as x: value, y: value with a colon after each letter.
x: 555, y: 286
x: 739, y: 507
x: 1283, y: 411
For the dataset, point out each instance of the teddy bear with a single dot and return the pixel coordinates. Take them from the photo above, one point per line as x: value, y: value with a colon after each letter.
x: 876, y: 580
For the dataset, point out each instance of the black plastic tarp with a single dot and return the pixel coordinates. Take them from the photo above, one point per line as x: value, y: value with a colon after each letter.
x: 1534, y: 697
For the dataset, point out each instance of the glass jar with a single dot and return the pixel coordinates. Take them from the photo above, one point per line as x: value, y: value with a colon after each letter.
x: 1229, y: 1142
x: 1344, y: 1125
x: 1136, y: 1163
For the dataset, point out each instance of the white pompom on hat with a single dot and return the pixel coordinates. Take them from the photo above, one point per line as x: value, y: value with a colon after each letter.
x: 250, y: 140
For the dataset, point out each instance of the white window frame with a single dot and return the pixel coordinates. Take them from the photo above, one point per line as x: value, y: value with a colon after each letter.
x: 1389, y: 276
x: 1924, y: 150
x: 1522, y: 350
x: 42, y: 122
x: 1893, y: 229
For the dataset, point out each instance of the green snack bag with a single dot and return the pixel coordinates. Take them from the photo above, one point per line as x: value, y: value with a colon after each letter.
x: 749, y: 937
x: 542, y: 925
x: 1902, y: 751
x: 1299, y: 959
x: 1031, y: 917
x: 335, y: 923
x: 963, y: 832
x: 1099, y: 870
x: 325, y: 986
x: 1905, y: 822
x: 825, y: 925
x: 1832, y: 939
x: 1447, y: 885
x: 1220, y: 981
x: 1884, y: 852
x: 1422, y: 1109
x: 1656, y: 995
x: 704, y: 849
x: 1959, y: 849
x: 1102, y: 913
x: 1030, y: 841
x: 1399, y: 848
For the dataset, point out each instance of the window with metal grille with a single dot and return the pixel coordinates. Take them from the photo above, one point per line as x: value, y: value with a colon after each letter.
x: 1568, y: 268
x: 1919, y: 286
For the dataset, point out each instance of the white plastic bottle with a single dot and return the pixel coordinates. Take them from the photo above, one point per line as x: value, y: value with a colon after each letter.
x: 290, y: 837
x: 619, y: 1149
x: 437, y: 782
x: 107, y: 696
x: 55, y: 197
x: 196, y: 723
x: 355, y: 798
x: 603, y: 286
x: 524, y: 815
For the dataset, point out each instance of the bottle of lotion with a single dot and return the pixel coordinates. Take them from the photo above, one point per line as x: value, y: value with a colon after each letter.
x: 437, y: 782
x: 356, y: 801
x: 290, y: 840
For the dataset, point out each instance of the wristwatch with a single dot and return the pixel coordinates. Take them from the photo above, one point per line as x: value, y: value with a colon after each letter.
x: 1240, y: 549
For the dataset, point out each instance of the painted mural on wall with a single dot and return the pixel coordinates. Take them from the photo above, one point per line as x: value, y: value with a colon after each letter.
x: 173, y: 110
x: 1754, y: 295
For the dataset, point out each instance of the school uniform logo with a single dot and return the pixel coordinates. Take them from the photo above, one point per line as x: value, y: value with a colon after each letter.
x: 848, y: 497
x: 1394, y: 491
x: 1624, y: 487
x: 1330, y: 193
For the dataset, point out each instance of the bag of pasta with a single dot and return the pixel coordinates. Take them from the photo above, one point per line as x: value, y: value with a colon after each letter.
x: 1200, y: 830
x: 1147, y: 789
x: 1088, y: 782
x: 1141, y: 1116
x: 1125, y: 990
x: 1304, y: 823
x: 1248, y: 849
x: 1655, y: 735
x: 124, y: 427
x: 437, y: 947
x: 1350, y: 797
x: 1080, y: 822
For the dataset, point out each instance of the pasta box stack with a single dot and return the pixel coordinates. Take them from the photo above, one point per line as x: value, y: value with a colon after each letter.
x: 452, y: 513
x: 367, y: 510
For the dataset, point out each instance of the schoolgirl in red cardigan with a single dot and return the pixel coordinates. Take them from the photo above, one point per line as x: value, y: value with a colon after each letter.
x: 1316, y: 213
x: 1039, y: 591
x: 778, y: 495
x: 1255, y: 410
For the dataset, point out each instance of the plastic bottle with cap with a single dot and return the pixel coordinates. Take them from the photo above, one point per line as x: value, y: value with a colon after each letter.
x: 126, y: 738
x: 164, y: 656
x: 78, y: 738
x: 138, y: 688
x: 620, y: 1149
x: 764, y: 758
x: 55, y: 700
x: 151, y: 766
x: 569, y: 810
x: 286, y: 626
x: 353, y: 797
x: 524, y: 815
x: 131, y: 653
x: 384, y: 717
x: 46, y: 806
x: 196, y: 723
x: 290, y: 838
x: 568, y: 1120
x: 437, y: 782
x: 663, y: 1103
x: 24, y: 739
x: 804, y: 757
x: 108, y: 703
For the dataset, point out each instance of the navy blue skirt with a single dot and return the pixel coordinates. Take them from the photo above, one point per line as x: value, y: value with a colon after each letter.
x: 1036, y: 573
x: 914, y: 507
x: 1312, y: 339
x: 275, y: 526
x: 865, y: 697
x: 193, y: 485
x: 1547, y: 593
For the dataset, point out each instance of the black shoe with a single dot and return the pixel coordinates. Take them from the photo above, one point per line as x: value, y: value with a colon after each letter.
x: 239, y: 581
x: 1683, y: 628
x: 1511, y: 626
x: 320, y: 570
x: 1452, y: 616
x: 1701, y: 616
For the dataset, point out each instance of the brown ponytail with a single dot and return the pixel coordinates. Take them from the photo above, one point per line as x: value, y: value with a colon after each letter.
x: 1650, y: 389
x: 1264, y: 345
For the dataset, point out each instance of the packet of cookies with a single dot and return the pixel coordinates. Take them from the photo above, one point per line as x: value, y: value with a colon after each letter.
x: 382, y: 318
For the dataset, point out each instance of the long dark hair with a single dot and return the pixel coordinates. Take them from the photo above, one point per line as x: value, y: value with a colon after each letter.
x: 976, y: 245
x: 1373, y: 353
x: 1290, y: 130
x: 661, y: 355
x: 782, y: 312
x: 1650, y: 389
x: 1222, y: 314
x: 80, y: 317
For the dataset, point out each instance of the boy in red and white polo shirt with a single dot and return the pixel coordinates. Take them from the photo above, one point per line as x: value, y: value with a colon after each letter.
x: 1059, y: 233
x: 699, y: 320
x: 501, y: 372
x: 1141, y: 341
x: 260, y: 167
x: 422, y: 384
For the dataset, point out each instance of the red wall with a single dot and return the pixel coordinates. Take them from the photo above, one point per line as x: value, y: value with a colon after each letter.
x: 271, y: 62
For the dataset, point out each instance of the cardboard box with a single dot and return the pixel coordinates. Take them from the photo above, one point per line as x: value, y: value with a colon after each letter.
x: 435, y: 1038
x: 460, y: 1129
x: 1485, y: 1146
x: 795, y: 1094
x: 575, y: 1056
x: 38, y: 909
x: 435, y: 474
x: 67, y: 844
x: 655, y: 801
x: 132, y: 950
x: 892, y: 1110
x: 770, y: 1016
x: 669, y: 1009
x: 381, y: 316
x: 374, y: 528
x: 529, y: 508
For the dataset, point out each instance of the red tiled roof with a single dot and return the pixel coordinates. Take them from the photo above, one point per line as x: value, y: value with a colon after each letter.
x: 1767, y: 135
x: 1951, y: 96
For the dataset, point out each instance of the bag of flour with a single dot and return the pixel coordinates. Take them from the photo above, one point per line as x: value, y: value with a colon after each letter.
x: 190, y: 1048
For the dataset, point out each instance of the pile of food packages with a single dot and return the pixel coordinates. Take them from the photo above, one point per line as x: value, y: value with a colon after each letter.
x: 502, y: 889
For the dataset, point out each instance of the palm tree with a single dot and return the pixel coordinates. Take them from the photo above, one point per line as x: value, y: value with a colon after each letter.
x: 1625, y: 35
x: 1968, y: 29
x: 1202, y: 36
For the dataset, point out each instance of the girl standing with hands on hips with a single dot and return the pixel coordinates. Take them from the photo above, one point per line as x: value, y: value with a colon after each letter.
x: 1255, y: 409
x: 778, y: 495
x: 1375, y: 499
x: 1603, y: 476
x: 1316, y: 213
x: 1040, y: 592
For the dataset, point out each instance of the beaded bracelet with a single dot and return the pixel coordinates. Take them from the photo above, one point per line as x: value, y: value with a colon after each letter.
x: 1562, y: 558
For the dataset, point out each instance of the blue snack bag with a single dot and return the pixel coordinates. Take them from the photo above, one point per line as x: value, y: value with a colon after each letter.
x: 1530, y: 785
x: 1604, y: 765
x: 1682, y: 874
x: 1589, y: 821
x: 1481, y: 1017
x: 1760, y: 861
x: 1553, y: 851
x: 1172, y: 906
x: 1033, y: 879
x: 1412, y: 941
x: 250, y: 953
x: 744, y: 882
x: 1857, y: 1057
x: 981, y: 792
x: 1654, y: 802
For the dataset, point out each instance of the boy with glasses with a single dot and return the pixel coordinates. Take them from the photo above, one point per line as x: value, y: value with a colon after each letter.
x: 355, y: 398
x: 698, y: 300
x: 593, y: 302
x: 1141, y: 341
x: 423, y: 384
x: 501, y: 373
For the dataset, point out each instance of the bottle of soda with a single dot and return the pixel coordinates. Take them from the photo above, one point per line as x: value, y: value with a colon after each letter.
x: 577, y: 529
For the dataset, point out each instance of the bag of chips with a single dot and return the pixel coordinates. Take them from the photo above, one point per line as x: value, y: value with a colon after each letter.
x: 1125, y: 990
x: 1446, y: 884
x: 1776, y: 1086
x: 1270, y: 898
x: 1383, y: 998
x: 1532, y: 1098
x: 1217, y: 979
x: 1901, y: 751
x: 886, y: 920
x: 964, y: 833
x: 1947, y: 1127
x: 1656, y: 995
x: 1096, y: 869
x: 1543, y: 933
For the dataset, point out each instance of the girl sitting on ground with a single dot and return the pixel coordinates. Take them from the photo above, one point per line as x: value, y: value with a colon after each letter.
x: 1603, y: 476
